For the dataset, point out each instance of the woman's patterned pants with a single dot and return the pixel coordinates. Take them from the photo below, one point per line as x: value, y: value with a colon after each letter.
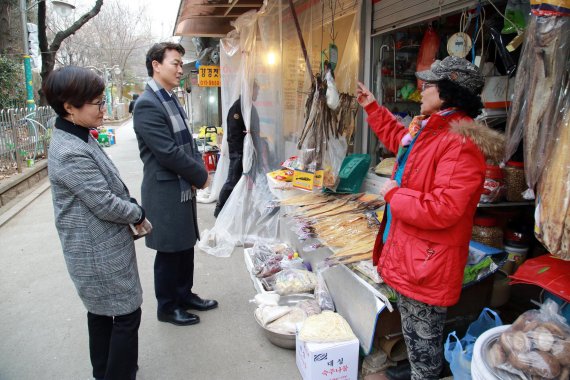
x: 422, y: 326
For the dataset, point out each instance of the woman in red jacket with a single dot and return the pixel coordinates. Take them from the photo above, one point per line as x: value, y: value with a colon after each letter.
x: 423, y: 243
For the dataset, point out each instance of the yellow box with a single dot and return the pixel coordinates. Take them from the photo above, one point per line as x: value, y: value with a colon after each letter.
x: 319, y: 176
x: 303, y: 180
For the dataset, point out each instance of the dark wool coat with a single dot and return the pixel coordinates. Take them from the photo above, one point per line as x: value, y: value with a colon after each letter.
x: 175, y: 223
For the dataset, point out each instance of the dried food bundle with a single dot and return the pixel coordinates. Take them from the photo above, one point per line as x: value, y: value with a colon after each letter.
x: 537, y: 345
x: 553, y: 206
x: 539, y: 95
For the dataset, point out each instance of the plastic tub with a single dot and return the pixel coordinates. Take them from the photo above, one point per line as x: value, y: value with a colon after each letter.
x: 516, y: 256
x: 480, y: 370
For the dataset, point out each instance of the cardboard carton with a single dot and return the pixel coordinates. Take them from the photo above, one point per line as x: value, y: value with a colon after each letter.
x: 330, y: 361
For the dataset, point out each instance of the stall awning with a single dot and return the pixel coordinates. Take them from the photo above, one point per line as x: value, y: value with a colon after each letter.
x: 210, y: 18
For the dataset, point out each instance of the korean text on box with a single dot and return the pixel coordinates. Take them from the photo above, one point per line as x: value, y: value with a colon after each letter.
x: 330, y: 361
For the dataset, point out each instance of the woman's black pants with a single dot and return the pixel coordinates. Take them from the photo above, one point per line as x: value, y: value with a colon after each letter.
x: 114, y: 345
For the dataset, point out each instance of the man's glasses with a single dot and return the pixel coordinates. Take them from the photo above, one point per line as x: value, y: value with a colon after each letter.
x: 427, y: 85
x: 100, y: 103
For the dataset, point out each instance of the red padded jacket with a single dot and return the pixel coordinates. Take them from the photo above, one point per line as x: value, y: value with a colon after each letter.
x: 432, y: 212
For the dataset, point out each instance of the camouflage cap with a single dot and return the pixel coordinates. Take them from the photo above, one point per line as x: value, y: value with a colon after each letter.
x: 457, y: 70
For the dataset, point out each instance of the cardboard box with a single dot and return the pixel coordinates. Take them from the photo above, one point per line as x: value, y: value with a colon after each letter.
x: 498, y: 92
x: 330, y: 361
x: 303, y: 180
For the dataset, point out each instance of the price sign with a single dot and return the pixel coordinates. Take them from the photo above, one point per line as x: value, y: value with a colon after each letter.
x: 209, y: 76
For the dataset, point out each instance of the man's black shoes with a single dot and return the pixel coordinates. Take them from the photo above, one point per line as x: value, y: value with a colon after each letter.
x: 178, y: 317
x: 197, y: 303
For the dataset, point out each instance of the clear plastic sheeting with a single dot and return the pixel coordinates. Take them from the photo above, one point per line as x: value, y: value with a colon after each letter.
x: 264, y: 51
x: 553, y: 202
x: 539, y: 93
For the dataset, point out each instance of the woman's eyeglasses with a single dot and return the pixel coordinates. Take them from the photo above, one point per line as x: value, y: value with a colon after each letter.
x: 427, y: 85
x: 100, y: 103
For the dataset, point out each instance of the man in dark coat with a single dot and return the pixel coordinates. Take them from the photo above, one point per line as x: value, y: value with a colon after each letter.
x: 132, y: 103
x: 236, y: 132
x: 173, y: 170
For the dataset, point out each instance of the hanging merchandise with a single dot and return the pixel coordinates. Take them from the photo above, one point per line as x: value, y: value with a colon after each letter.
x: 516, y: 15
x: 553, y: 206
x: 459, y: 45
x: 539, y: 94
x: 333, y: 55
x: 428, y: 51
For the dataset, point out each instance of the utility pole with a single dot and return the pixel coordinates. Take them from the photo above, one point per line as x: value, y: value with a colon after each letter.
x: 30, y: 103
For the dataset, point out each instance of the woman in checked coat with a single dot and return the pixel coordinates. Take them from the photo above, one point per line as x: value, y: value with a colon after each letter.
x: 93, y: 210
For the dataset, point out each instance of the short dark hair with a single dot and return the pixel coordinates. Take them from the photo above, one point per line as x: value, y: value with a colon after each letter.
x: 71, y: 84
x: 454, y: 95
x: 156, y: 53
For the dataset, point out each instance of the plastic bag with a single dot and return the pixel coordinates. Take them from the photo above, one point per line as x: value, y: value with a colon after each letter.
x: 333, y: 100
x: 291, y: 281
x: 310, y: 307
x: 335, y: 152
x: 516, y: 15
x: 539, y: 94
x: 217, y: 242
x: 322, y: 293
x: 537, y: 344
x: 287, y: 324
x: 458, y: 352
x: 428, y: 52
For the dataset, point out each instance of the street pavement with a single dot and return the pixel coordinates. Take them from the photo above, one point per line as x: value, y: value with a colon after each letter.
x: 43, y: 327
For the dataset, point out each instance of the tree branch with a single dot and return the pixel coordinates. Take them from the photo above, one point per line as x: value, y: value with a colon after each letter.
x: 62, y: 35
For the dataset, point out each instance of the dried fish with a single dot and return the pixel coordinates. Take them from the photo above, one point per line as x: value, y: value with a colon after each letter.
x: 541, y: 78
x: 554, y: 194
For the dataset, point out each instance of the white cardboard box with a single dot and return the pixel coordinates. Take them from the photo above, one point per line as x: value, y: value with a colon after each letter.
x: 330, y: 361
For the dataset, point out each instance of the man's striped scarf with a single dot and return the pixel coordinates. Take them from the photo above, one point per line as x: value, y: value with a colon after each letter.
x: 182, y: 135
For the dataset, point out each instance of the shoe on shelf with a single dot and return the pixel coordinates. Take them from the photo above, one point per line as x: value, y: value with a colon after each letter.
x: 197, y: 303
x: 178, y: 317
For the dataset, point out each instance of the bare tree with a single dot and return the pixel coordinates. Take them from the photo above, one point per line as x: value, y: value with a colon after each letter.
x: 115, y: 37
x: 49, y: 50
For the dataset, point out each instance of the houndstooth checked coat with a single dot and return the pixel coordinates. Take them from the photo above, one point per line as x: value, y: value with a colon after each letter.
x: 92, y: 214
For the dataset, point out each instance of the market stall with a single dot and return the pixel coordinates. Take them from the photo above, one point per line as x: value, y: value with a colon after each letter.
x: 309, y: 215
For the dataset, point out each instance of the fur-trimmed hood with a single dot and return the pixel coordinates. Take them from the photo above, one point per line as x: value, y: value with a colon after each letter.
x: 491, y: 142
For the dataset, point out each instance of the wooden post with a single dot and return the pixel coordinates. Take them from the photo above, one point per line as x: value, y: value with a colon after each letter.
x: 307, y: 61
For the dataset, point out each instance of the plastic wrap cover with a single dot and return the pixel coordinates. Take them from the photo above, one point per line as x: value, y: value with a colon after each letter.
x: 539, y: 94
x: 552, y: 216
x: 264, y: 49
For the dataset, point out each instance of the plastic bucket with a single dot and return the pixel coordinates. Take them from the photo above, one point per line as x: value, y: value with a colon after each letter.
x: 480, y: 370
x: 516, y: 256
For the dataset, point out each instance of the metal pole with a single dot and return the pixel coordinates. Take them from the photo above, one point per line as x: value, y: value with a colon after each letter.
x: 108, y: 95
x: 30, y: 103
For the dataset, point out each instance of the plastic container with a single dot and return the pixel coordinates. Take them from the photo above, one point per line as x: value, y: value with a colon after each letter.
x: 480, y: 369
x: 486, y: 231
x: 515, y: 181
x: 516, y: 256
x: 517, y: 235
x: 494, y: 185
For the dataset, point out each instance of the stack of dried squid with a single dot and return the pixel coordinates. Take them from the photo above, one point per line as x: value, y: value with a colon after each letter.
x: 340, y: 223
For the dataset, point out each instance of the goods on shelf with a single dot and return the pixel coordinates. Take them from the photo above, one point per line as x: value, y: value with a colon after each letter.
x: 487, y: 231
x: 515, y: 181
x: 537, y: 344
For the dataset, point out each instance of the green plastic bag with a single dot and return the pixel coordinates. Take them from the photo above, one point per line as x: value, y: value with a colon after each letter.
x: 352, y: 173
